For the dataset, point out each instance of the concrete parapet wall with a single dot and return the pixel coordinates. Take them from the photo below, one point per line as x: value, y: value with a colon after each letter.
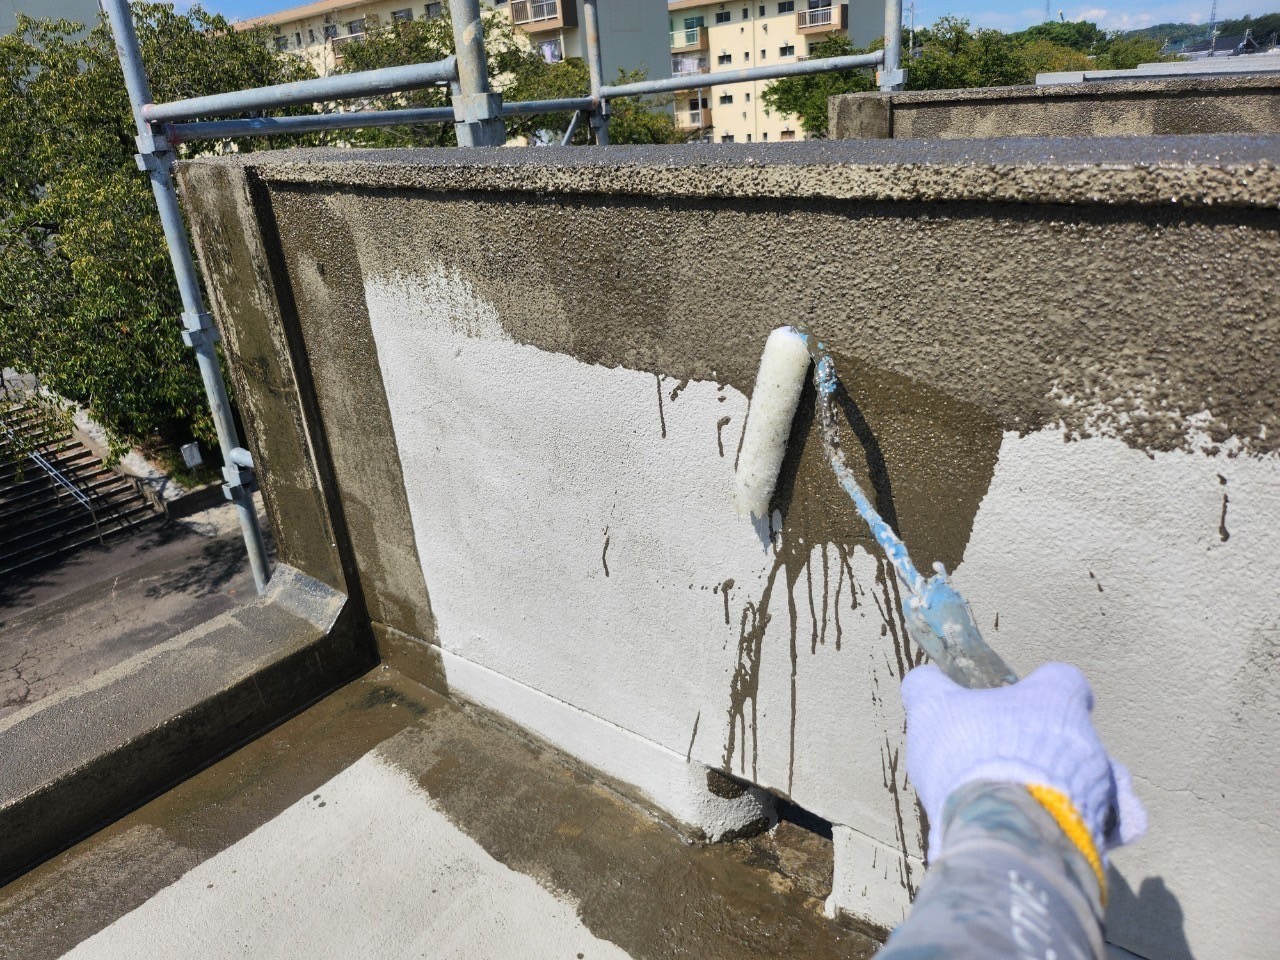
x: 1145, y: 107
x: 515, y: 381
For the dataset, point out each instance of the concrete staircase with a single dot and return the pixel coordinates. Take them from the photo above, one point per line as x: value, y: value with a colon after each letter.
x: 56, y: 496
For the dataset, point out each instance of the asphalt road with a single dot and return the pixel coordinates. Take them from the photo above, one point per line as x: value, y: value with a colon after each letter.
x: 100, y: 606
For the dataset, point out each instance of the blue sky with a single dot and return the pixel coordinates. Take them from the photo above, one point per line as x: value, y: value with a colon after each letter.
x: 1010, y: 15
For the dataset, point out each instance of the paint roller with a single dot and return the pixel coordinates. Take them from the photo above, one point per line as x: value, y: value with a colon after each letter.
x: 937, y: 617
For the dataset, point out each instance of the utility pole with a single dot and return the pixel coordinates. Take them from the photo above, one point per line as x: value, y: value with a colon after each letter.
x: 1213, y: 28
x: 1047, y: 15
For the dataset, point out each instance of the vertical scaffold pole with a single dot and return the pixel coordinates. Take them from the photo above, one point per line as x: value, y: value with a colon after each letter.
x: 155, y: 158
x: 477, y: 109
x: 595, y: 67
x: 892, y: 76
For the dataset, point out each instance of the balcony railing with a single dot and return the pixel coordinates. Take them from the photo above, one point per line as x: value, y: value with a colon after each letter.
x: 688, y: 66
x: 691, y: 38
x: 694, y: 119
x: 337, y: 43
x: 531, y: 11
x: 818, y: 17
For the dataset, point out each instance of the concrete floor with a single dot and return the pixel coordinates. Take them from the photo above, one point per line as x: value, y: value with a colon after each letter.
x: 99, y: 606
x: 387, y: 821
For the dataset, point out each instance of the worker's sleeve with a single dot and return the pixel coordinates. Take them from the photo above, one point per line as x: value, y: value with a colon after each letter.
x: 1008, y: 884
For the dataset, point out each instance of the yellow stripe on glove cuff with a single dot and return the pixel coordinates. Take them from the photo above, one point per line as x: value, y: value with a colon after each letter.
x: 1067, y: 817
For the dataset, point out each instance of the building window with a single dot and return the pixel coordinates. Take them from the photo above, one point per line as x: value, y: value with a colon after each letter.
x: 727, y: 138
x: 788, y: 134
x: 762, y: 54
x: 401, y: 16
x: 762, y: 9
x: 724, y: 16
x: 297, y: 39
x: 355, y: 27
x: 726, y: 98
x: 552, y: 51
x: 331, y: 31
x: 748, y: 98
x: 435, y: 11
x: 746, y: 56
x: 311, y: 36
x: 693, y: 106
x: 282, y: 44
x: 765, y: 135
x: 788, y: 51
x: 724, y: 58
x: 748, y: 138
x: 746, y: 13
x: 787, y: 6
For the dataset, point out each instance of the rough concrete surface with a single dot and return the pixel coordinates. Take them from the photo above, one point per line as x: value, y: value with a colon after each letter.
x: 386, y: 820
x: 1151, y: 107
x: 65, y: 623
x: 97, y: 748
x: 1058, y: 367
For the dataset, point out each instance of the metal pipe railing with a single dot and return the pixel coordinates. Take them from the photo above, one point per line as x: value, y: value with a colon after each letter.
x: 800, y: 68
x: 367, y: 83
x: 478, y: 122
x: 595, y: 70
x: 314, y: 123
x: 892, y: 76
x: 155, y: 157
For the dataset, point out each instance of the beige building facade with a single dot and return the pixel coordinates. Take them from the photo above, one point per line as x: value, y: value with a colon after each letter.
x: 716, y: 37
x: 632, y: 32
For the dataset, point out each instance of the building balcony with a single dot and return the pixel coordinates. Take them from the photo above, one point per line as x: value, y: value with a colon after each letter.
x: 541, y: 16
x: 337, y: 43
x: 693, y: 119
x: 688, y: 66
x: 684, y: 41
x: 823, y: 19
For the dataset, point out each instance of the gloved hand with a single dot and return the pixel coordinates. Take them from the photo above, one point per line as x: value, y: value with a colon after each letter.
x: 1037, y: 731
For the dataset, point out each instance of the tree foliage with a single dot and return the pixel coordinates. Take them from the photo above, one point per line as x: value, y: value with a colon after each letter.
x: 88, y: 302
x: 806, y: 96
x: 519, y: 71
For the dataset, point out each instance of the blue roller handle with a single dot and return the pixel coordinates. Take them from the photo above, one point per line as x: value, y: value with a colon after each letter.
x: 938, y: 618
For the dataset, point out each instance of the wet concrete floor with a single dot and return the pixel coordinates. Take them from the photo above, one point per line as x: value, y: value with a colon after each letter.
x: 509, y: 811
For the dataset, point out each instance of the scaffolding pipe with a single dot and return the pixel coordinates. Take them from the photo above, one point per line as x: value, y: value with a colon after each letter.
x: 367, y: 83
x: 892, y: 76
x: 595, y: 69
x: 573, y: 128
x: 274, y: 126
x: 155, y: 156
x: 561, y: 105
x: 478, y: 108
x: 699, y: 80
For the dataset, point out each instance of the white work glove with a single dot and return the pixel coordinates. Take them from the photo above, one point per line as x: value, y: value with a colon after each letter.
x: 1037, y: 731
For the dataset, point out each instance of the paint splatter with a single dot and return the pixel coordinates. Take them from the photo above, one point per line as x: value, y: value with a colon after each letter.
x: 662, y: 417
x: 1223, y: 532
x: 604, y: 554
x: 724, y: 594
x: 693, y: 736
x: 720, y: 425
x: 675, y: 391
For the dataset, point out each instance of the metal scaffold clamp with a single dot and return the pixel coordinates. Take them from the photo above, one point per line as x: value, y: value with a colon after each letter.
x: 198, y: 330
x: 155, y: 153
x: 239, y: 475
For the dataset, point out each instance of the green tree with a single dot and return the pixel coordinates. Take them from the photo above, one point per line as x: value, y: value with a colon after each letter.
x: 1080, y: 35
x: 1044, y: 56
x: 806, y: 96
x: 87, y: 299
x: 517, y: 70
x: 1125, y: 53
x: 953, y: 56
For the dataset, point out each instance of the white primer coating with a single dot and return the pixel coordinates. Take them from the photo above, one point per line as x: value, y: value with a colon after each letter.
x: 363, y: 866
x: 774, y: 398
x: 529, y: 472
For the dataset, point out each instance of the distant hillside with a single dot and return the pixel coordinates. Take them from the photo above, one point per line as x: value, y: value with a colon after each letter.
x: 1181, y: 34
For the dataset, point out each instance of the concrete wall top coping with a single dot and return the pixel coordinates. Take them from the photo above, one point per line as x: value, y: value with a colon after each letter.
x: 1092, y: 90
x: 1221, y: 170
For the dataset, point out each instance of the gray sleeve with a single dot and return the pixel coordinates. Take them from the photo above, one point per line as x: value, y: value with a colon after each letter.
x: 1009, y: 885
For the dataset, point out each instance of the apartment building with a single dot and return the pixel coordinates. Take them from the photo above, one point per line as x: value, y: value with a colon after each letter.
x: 715, y: 37
x: 632, y: 32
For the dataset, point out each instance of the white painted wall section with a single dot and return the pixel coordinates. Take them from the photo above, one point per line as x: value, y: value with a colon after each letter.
x: 576, y: 529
